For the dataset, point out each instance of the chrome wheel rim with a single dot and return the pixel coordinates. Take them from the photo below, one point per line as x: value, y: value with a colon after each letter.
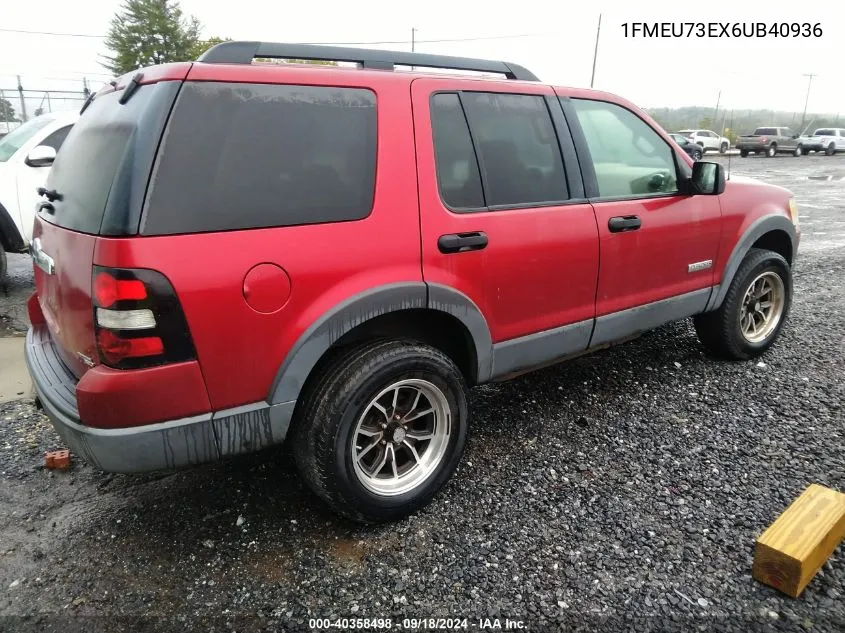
x: 762, y: 307
x: 400, y: 439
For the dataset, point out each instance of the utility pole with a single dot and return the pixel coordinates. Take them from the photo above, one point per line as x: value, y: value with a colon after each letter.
x: 86, y: 92
x: 807, y: 100
x: 595, y: 52
x: 23, y: 102
x: 413, y: 38
x: 716, y: 111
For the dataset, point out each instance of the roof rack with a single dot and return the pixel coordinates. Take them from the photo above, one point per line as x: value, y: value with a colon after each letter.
x: 245, y: 52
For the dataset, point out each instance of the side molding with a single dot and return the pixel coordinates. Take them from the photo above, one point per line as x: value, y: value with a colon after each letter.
x: 322, y: 334
x: 620, y: 325
x: 456, y: 303
x: 754, y: 232
x: 536, y: 350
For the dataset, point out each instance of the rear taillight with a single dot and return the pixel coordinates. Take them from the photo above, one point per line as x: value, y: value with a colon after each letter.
x: 138, y: 319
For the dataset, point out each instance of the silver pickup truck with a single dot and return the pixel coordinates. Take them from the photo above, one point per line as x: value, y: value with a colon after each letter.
x: 769, y: 141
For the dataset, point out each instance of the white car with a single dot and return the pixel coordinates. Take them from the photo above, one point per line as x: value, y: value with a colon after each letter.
x: 825, y: 139
x: 26, y: 154
x: 708, y: 140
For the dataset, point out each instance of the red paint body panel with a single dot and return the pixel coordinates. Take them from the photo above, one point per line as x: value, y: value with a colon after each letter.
x: 241, y: 350
x: 113, y: 398
x: 651, y: 264
x: 65, y: 296
x: 745, y: 201
x: 540, y: 267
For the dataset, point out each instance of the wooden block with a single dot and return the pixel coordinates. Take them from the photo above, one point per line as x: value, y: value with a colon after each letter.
x: 797, y: 544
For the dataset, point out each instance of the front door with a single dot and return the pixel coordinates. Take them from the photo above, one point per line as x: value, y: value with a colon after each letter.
x: 504, y: 220
x: 657, y: 246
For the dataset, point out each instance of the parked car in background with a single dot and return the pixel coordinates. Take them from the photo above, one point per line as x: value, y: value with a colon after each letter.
x: 770, y: 141
x: 237, y: 255
x: 825, y: 139
x: 694, y: 150
x: 707, y: 139
x: 26, y: 154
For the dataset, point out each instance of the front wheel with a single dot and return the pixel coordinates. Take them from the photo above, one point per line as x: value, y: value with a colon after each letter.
x: 696, y: 155
x: 2, y: 265
x: 754, y: 309
x: 382, y: 430
x: 723, y: 148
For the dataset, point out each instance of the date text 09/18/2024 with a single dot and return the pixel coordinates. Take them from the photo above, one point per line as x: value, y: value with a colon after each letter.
x: 418, y: 624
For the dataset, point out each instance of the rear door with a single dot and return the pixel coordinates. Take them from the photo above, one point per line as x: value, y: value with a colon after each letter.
x: 96, y: 187
x: 503, y: 215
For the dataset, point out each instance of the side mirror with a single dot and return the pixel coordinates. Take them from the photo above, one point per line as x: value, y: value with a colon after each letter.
x: 708, y: 179
x: 41, y: 156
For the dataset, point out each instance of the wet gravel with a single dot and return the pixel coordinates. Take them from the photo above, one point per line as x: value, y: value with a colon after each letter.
x: 621, y: 491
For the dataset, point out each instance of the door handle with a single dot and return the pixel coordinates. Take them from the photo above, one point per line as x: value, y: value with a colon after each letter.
x: 461, y: 242
x: 620, y: 224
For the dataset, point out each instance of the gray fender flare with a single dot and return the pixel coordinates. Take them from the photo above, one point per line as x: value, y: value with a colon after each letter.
x: 323, y: 333
x: 753, y: 233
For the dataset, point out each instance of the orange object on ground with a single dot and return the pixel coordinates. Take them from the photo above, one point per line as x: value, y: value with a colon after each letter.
x: 57, y: 460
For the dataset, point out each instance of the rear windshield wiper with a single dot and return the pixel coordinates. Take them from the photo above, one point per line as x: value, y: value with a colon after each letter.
x: 51, y: 194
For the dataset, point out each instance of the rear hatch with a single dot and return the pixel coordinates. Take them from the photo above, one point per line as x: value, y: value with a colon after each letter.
x: 96, y: 189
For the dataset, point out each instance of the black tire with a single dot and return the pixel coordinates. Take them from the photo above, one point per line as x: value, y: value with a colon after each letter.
x: 772, y: 150
x: 799, y: 151
x: 723, y: 148
x: 323, y: 427
x: 2, y: 265
x: 696, y: 155
x: 830, y: 150
x: 743, y: 153
x: 719, y: 331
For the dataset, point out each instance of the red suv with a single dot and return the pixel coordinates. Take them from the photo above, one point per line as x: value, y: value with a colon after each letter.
x: 230, y: 253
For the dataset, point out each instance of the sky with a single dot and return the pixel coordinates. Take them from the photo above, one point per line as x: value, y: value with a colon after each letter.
x: 553, y: 38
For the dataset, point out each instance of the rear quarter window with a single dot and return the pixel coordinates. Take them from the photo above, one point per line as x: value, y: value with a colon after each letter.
x: 766, y: 131
x: 241, y: 156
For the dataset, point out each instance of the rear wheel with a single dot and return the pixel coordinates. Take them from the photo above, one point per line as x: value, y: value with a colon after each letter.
x: 772, y: 150
x: 382, y: 429
x: 2, y: 264
x: 723, y: 148
x: 799, y: 151
x: 830, y: 150
x: 696, y: 154
x: 743, y: 153
x: 754, y: 310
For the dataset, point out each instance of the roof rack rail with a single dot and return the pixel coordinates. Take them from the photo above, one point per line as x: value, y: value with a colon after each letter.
x: 245, y: 52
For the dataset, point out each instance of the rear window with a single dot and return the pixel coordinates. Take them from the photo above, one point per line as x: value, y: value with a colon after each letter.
x: 766, y: 131
x: 103, y: 167
x: 240, y: 156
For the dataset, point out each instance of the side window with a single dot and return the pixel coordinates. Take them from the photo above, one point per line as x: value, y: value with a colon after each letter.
x: 629, y: 157
x: 510, y: 158
x: 457, y: 167
x: 263, y: 155
x: 58, y: 137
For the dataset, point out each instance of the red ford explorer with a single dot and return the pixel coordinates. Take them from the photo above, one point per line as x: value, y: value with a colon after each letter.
x: 232, y: 254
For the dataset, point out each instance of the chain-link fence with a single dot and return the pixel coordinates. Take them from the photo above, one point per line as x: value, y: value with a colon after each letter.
x: 23, y: 98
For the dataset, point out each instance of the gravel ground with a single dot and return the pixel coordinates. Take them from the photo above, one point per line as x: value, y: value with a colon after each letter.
x: 621, y: 491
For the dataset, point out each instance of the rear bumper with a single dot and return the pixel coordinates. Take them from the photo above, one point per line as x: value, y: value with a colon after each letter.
x: 751, y: 147
x: 164, y: 445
